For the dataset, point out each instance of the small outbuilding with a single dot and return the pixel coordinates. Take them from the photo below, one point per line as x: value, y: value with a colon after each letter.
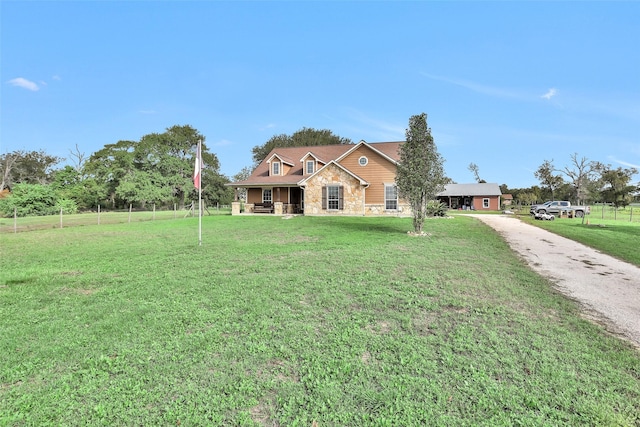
x: 476, y: 196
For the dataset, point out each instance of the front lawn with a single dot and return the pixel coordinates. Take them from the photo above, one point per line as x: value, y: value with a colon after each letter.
x: 282, y: 322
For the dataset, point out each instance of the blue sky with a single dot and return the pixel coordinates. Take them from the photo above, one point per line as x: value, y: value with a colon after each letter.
x: 505, y: 85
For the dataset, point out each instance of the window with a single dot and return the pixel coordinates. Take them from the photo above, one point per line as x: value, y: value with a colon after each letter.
x: 485, y: 203
x: 363, y: 161
x: 276, y: 168
x: 332, y: 197
x: 390, y: 197
x: 310, y: 166
x: 266, y: 195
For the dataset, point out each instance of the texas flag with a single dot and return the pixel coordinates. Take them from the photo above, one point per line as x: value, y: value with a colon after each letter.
x: 197, y: 172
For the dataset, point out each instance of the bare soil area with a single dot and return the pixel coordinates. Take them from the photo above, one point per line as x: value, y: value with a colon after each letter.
x: 608, y: 289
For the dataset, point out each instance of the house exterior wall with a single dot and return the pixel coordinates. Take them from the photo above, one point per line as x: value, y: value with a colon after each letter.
x: 378, y: 172
x: 254, y: 195
x: 353, y: 195
x: 494, y: 203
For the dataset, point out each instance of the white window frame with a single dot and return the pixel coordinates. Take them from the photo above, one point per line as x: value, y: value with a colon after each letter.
x: 333, y: 200
x: 486, y: 202
x: 309, y: 171
x: 268, y: 191
x: 387, y: 200
x: 275, y: 168
x: 363, y: 161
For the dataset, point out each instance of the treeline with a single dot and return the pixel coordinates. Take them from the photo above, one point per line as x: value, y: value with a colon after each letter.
x: 582, y: 182
x: 157, y: 169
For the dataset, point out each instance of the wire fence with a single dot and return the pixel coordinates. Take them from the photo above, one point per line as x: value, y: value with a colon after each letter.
x: 608, y: 212
x: 18, y: 224
x: 602, y: 211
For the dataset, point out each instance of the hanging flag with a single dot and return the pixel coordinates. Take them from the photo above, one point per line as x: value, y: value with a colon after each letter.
x: 197, y: 172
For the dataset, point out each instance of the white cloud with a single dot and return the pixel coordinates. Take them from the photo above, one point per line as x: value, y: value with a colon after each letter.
x: 623, y: 163
x: 477, y: 87
x: 24, y: 83
x: 550, y: 93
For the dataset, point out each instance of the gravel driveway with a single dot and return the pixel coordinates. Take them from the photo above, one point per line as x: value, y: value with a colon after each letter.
x: 607, y: 288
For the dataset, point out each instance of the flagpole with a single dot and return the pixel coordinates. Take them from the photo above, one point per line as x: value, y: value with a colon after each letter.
x: 200, y: 192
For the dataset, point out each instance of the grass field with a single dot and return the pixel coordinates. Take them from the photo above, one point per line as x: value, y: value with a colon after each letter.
x: 274, y: 322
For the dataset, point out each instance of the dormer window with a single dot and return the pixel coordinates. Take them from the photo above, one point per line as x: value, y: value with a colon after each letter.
x: 309, y: 166
x: 275, y: 168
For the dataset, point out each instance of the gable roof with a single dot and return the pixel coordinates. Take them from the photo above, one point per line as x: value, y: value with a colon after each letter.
x: 336, y: 164
x: 323, y: 153
x: 475, y: 189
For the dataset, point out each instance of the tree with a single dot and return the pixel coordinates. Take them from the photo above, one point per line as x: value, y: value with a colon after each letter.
x: 617, y: 189
x: 28, y: 167
x: 582, y: 172
x: 301, y: 138
x: 420, y: 176
x: 545, y: 174
x: 171, y: 154
x: 109, y: 166
x: 474, y: 168
x: 6, y: 163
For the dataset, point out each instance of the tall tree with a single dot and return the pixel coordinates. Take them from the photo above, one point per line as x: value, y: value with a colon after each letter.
x: 301, y: 138
x: 580, y: 174
x: 420, y: 175
x: 546, y: 176
x: 617, y: 189
x: 171, y: 155
x: 27, y: 167
x: 109, y: 166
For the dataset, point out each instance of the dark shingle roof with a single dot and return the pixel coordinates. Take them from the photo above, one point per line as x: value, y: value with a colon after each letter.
x: 324, y: 154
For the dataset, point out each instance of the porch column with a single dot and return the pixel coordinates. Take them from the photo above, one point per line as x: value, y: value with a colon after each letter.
x: 235, y: 208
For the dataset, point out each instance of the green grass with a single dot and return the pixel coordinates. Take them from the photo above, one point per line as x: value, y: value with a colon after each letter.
x: 616, y: 238
x: 346, y: 321
x: 11, y: 225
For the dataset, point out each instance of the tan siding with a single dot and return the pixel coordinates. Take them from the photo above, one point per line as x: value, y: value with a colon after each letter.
x: 377, y: 172
x: 280, y: 194
x: 254, y: 195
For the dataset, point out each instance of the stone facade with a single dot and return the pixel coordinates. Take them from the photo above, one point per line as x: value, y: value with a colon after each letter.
x: 404, y: 210
x: 353, y: 194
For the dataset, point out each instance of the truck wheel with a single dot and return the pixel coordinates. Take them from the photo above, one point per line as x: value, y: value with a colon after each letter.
x: 579, y: 214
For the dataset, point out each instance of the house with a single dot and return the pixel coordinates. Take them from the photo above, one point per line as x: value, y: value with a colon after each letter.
x: 349, y: 179
x: 476, y: 196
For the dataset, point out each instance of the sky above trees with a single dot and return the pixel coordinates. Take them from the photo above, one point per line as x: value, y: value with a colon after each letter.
x: 506, y: 85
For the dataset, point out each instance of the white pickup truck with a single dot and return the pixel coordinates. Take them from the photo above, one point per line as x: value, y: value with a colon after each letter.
x: 556, y: 206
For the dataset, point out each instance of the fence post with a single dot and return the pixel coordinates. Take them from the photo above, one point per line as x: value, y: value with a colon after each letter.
x: 15, y: 220
x: 154, y: 211
x: 174, y: 211
x: 129, y: 213
x: 631, y: 215
x: 98, y: 214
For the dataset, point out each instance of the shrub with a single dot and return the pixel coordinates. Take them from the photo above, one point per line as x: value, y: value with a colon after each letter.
x: 436, y: 208
x: 30, y: 199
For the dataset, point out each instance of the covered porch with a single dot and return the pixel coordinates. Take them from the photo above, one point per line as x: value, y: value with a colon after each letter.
x: 277, y: 200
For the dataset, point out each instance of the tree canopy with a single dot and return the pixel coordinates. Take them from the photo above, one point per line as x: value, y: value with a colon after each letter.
x: 301, y: 138
x: 420, y: 175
